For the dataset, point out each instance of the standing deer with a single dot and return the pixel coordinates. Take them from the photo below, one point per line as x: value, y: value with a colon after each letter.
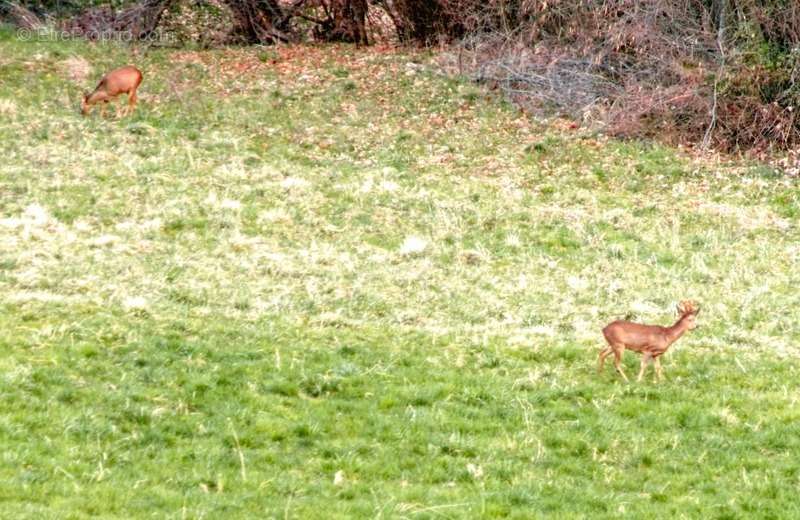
x: 124, y: 80
x: 651, y: 341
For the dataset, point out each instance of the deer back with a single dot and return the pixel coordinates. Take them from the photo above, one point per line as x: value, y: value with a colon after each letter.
x: 633, y: 334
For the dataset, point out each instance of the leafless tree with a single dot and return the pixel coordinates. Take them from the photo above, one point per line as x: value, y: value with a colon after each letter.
x: 342, y: 21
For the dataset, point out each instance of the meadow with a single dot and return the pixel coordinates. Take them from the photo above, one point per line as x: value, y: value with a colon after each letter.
x: 320, y: 282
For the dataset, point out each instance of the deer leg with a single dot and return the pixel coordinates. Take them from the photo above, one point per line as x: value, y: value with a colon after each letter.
x: 657, y: 363
x: 602, y: 359
x: 646, y: 358
x: 132, y: 98
x: 618, y: 364
x: 103, y: 109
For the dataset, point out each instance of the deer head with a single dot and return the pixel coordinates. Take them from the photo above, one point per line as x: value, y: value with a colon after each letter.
x: 687, y: 310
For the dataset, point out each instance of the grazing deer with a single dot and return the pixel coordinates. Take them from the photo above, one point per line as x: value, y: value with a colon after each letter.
x: 651, y: 341
x: 124, y: 80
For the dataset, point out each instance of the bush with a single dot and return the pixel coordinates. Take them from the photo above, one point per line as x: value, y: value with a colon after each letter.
x: 693, y: 71
x: 198, y: 22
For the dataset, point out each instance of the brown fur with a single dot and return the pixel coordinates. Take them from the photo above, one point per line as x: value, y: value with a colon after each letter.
x: 124, y: 80
x: 652, y: 341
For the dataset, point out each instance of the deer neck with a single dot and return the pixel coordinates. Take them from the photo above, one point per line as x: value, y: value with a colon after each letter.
x: 676, y: 331
x: 96, y: 97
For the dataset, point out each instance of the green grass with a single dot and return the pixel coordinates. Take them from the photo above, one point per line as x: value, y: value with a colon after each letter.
x: 329, y: 262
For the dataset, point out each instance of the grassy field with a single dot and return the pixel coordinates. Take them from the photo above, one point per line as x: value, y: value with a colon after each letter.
x: 326, y: 283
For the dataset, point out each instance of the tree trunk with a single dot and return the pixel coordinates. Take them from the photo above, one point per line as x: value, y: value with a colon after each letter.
x: 345, y: 21
x: 262, y: 21
x: 421, y: 21
x: 140, y: 21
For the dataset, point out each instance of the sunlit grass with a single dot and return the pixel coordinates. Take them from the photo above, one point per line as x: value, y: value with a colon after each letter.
x: 336, y: 262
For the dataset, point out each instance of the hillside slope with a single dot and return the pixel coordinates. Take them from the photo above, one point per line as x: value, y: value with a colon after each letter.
x: 313, y: 282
